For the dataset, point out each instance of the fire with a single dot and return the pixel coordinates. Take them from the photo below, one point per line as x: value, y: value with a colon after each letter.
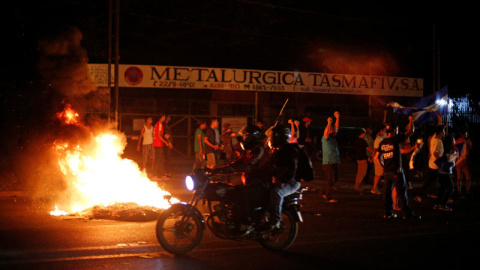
x: 68, y: 116
x: 98, y: 175
x: 57, y: 212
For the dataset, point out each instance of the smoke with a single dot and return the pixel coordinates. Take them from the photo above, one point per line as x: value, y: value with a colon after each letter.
x: 63, y: 64
x: 362, y: 63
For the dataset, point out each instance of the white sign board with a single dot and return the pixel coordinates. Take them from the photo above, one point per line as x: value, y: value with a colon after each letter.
x: 258, y: 80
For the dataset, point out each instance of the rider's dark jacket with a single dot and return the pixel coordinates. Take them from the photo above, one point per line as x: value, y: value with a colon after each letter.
x: 255, y: 163
x: 285, y: 162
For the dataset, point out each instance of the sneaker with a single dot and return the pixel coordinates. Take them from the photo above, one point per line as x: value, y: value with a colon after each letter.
x: 396, y: 208
x: 418, y: 198
x: 445, y: 208
x: 375, y: 192
x: 435, y: 207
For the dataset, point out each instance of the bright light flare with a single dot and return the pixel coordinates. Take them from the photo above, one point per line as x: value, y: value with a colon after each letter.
x: 189, y: 183
x: 441, y: 102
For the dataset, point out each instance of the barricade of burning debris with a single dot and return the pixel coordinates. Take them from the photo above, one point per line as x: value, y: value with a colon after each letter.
x: 122, y: 211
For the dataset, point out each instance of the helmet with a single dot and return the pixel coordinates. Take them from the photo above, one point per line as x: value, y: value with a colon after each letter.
x: 279, y: 136
x: 252, y: 136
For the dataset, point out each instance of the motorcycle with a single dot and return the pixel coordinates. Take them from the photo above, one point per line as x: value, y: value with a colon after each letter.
x: 180, y: 228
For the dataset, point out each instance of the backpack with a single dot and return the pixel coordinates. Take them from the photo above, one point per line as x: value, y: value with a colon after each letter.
x: 305, y: 169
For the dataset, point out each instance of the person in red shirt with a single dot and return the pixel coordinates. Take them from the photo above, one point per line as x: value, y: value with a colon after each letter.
x: 159, y: 142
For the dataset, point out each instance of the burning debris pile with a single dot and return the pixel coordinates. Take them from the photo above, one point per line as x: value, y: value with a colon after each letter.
x: 99, y: 183
x: 122, y: 211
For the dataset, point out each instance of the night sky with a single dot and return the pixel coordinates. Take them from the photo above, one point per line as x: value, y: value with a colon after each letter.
x: 387, y: 39
x: 267, y: 34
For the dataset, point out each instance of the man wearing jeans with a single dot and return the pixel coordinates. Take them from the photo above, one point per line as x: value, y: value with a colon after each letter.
x: 285, y: 161
x: 159, y: 143
x: 389, y: 148
x: 211, y: 145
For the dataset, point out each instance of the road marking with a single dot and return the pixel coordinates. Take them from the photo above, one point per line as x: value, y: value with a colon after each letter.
x: 148, y: 255
x: 164, y: 254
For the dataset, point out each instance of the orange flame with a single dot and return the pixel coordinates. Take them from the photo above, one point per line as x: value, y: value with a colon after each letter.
x: 97, y: 175
x: 68, y: 116
x: 58, y: 212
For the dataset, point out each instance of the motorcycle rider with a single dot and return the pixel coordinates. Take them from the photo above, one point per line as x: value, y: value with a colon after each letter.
x: 285, y: 161
x: 255, y: 164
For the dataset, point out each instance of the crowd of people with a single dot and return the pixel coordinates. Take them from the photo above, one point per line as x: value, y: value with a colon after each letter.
x: 395, y: 156
x: 402, y: 155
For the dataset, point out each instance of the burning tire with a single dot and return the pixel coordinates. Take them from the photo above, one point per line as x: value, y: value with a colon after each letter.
x: 180, y: 229
x: 283, y: 237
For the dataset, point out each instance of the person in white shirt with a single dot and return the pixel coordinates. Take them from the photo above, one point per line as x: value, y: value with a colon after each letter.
x: 435, y: 152
x: 146, y: 140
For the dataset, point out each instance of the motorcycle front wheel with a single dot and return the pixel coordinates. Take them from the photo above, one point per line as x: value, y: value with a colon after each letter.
x: 179, y: 230
x: 283, y: 237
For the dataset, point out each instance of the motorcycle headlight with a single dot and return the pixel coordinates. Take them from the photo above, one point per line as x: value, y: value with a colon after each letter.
x: 189, y: 182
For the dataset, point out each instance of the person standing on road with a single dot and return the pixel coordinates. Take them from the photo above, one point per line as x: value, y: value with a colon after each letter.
x: 146, y: 140
x: 393, y: 173
x: 227, y: 136
x: 167, y: 134
x: 463, y: 163
x: 330, y: 157
x: 304, y: 139
x: 435, y: 152
x: 361, y: 148
x: 445, y: 164
x: 211, y: 145
x: 199, y: 145
x: 376, y: 162
x: 159, y: 144
x: 370, y: 140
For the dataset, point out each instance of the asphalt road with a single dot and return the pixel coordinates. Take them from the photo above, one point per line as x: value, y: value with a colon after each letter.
x: 350, y: 234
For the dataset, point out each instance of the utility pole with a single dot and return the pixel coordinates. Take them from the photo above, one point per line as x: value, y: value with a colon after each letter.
x: 436, y: 61
x: 113, y: 37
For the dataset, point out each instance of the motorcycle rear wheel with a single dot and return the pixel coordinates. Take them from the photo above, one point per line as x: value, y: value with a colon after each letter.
x: 179, y: 231
x: 282, y: 238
